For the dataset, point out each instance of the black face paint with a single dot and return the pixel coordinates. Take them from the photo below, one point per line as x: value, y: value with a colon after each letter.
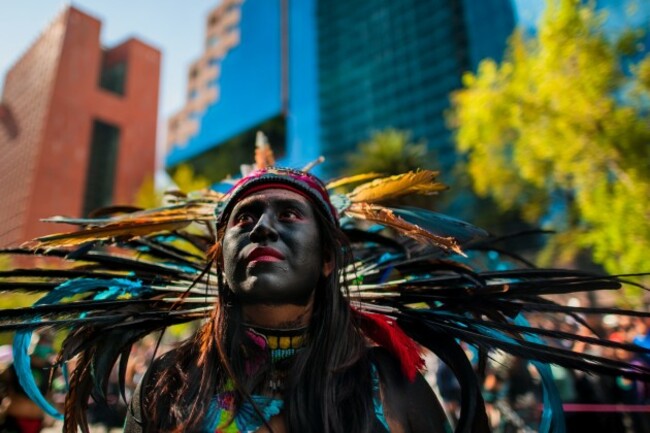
x: 272, y: 248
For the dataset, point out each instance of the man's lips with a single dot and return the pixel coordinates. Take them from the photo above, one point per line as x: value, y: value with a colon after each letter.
x: 264, y: 254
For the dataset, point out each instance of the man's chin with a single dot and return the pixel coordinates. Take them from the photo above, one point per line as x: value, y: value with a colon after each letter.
x: 274, y: 299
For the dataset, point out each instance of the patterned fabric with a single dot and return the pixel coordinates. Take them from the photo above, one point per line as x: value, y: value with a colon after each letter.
x: 221, y: 417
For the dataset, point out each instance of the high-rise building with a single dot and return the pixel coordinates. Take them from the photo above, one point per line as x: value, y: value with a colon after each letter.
x: 77, y: 126
x: 320, y: 76
x: 257, y: 71
x: 393, y: 63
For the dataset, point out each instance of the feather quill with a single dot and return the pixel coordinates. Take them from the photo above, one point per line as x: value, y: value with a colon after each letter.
x: 121, y: 231
x: 351, y: 179
x: 385, y: 216
x: 414, y: 182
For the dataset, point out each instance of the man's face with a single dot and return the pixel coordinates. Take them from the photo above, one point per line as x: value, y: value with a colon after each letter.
x: 272, y: 248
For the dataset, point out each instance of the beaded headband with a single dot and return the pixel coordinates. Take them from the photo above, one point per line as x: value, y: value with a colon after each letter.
x: 298, y: 181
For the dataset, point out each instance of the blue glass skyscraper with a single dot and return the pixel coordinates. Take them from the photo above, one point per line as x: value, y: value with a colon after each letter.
x: 393, y: 63
x: 320, y: 76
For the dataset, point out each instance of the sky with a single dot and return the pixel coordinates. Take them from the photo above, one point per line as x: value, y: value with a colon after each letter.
x: 175, y: 27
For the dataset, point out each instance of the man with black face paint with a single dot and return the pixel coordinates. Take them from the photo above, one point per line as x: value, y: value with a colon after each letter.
x: 282, y: 351
x: 272, y: 249
x: 285, y: 345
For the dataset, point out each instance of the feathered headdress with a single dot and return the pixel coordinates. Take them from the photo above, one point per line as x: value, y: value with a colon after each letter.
x: 415, y: 283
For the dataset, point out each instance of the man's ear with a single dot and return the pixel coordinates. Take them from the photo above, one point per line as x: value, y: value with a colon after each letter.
x: 328, y: 263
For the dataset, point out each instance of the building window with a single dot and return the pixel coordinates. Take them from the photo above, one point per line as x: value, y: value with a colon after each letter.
x: 102, y: 164
x: 212, y: 41
x: 8, y: 121
x: 112, y: 77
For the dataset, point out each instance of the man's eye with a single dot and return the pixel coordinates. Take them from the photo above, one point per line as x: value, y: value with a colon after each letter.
x: 244, y: 218
x: 290, y: 214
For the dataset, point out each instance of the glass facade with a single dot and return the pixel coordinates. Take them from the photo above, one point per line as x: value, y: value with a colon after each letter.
x: 489, y: 23
x: 339, y: 71
x: 392, y: 64
x: 249, y: 84
x: 268, y: 77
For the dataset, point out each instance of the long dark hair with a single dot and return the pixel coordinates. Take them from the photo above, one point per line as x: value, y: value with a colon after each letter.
x: 329, y: 389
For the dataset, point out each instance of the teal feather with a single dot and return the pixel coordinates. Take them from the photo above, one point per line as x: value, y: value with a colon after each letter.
x: 22, y: 365
x: 22, y: 359
x: 553, y: 414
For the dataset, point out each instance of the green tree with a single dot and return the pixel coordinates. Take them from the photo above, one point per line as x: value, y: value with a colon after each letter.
x: 147, y: 195
x: 391, y: 152
x: 388, y: 152
x: 187, y: 180
x: 183, y: 177
x: 5, y: 263
x: 559, y: 126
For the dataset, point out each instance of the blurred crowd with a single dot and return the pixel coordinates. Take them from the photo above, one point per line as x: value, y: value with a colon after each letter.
x: 511, y: 386
x: 513, y: 392
x: 18, y: 414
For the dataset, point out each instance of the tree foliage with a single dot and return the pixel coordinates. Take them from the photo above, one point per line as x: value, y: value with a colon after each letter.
x: 388, y: 152
x: 183, y: 177
x: 560, y: 131
x: 147, y: 195
x: 187, y: 180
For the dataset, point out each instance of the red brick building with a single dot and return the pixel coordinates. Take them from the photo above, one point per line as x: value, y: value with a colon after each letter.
x: 77, y: 126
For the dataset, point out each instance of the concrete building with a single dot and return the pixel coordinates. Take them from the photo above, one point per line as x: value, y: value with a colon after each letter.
x: 77, y: 126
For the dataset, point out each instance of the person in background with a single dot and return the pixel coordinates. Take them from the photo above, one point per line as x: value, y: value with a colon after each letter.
x: 19, y: 414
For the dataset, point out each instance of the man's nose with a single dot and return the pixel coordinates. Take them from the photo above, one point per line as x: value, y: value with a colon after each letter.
x: 264, y: 230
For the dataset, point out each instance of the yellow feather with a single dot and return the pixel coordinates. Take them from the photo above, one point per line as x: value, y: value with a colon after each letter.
x: 384, y: 216
x: 129, y: 231
x: 352, y: 179
x: 418, y: 182
x: 128, y: 226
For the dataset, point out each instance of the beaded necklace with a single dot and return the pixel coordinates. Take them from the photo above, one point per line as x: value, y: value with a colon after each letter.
x: 280, y: 345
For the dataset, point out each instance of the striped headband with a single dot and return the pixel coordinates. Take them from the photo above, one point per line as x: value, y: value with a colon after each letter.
x: 298, y: 181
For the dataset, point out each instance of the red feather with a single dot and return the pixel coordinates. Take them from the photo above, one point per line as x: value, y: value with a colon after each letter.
x: 386, y: 333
